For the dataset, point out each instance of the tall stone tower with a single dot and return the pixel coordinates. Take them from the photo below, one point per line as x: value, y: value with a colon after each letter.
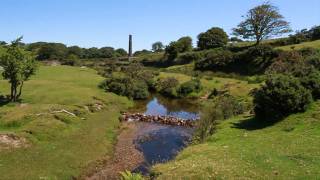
x: 130, y: 46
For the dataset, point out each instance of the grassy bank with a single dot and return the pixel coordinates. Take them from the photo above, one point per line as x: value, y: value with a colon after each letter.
x: 242, y: 149
x: 236, y: 87
x: 60, y: 146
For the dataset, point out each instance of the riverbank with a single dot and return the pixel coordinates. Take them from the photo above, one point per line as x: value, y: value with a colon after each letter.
x: 59, y: 145
x: 243, y: 148
x: 125, y: 157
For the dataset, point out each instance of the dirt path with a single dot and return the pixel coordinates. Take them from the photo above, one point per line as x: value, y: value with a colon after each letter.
x: 126, y: 156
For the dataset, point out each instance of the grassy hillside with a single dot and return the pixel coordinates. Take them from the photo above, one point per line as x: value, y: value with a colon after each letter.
x: 236, y: 87
x: 59, y: 145
x: 241, y: 148
x: 312, y: 44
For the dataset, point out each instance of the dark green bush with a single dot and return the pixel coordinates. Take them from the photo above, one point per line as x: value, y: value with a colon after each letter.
x: 216, y: 59
x: 189, y: 87
x: 140, y: 90
x: 126, y: 86
x: 311, y: 81
x: 188, y: 57
x: 280, y: 96
x: 314, y: 60
x: 168, y: 86
x: 258, y: 58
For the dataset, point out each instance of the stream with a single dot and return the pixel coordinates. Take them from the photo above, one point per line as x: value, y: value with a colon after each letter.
x: 160, y: 143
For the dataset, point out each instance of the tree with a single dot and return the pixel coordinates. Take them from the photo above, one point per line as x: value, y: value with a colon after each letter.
x: 262, y: 22
x: 213, y: 38
x: 3, y: 43
x: 172, y: 51
x: 184, y: 44
x: 157, y: 47
x: 49, y: 51
x: 121, y: 52
x: 75, y: 50
x: 315, y: 33
x: 106, y: 52
x: 18, y: 66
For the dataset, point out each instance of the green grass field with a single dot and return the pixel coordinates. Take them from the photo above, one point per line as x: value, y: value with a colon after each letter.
x: 242, y: 150
x: 312, y: 44
x: 60, y: 146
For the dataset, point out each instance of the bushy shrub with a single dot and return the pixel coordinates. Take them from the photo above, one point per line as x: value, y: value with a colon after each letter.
x: 311, y: 81
x: 223, y: 107
x: 140, y: 90
x: 286, y: 62
x: 126, y: 86
x: 280, y: 96
x: 189, y: 57
x: 229, y: 105
x: 215, y: 59
x: 189, y: 87
x: 314, y: 60
x: 168, y: 86
x: 258, y: 58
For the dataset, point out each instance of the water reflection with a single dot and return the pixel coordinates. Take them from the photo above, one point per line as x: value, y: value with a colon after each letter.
x: 159, y: 105
x: 160, y: 143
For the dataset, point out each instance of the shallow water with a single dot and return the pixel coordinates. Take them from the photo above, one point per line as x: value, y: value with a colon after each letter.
x: 160, y: 143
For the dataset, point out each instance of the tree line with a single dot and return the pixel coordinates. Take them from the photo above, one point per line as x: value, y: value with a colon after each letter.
x: 59, y: 51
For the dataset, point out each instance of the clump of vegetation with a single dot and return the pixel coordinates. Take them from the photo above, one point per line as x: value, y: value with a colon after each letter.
x: 213, y: 38
x: 215, y: 59
x: 189, y: 57
x: 168, y: 86
x: 127, y: 175
x: 222, y: 107
x: 184, y: 44
x: 256, y: 59
x: 126, y: 86
x: 192, y: 86
x: 281, y: 96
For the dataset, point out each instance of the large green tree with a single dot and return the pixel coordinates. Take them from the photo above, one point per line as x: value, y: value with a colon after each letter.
x: 213, y: 38
x: 262, y: 22
x: 18, y: 65
x: 157, y: 47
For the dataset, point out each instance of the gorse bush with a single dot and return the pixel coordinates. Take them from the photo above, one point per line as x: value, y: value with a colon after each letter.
x: 215, y: 59
x: 171, y: 87
x: 311, y: 81
x: 168, y: 86
x: 189, y: 57
x: 126, y: 86
x: 254, y: 60
x: 281, y: 95
x: 192, y: 86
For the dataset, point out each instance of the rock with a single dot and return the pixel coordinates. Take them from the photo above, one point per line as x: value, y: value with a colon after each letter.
x: 158, y: 119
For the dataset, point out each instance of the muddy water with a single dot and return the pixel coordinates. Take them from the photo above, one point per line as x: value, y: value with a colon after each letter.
x: 160, y: 143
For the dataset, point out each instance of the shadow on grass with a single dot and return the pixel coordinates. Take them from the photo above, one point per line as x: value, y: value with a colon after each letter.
x: 4, y: 101
x: 254, y: 123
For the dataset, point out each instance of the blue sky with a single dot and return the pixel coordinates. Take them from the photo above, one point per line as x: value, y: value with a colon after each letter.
x: 98, y: 23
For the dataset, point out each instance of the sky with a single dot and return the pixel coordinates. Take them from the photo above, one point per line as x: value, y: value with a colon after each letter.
x: 98, y: 23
